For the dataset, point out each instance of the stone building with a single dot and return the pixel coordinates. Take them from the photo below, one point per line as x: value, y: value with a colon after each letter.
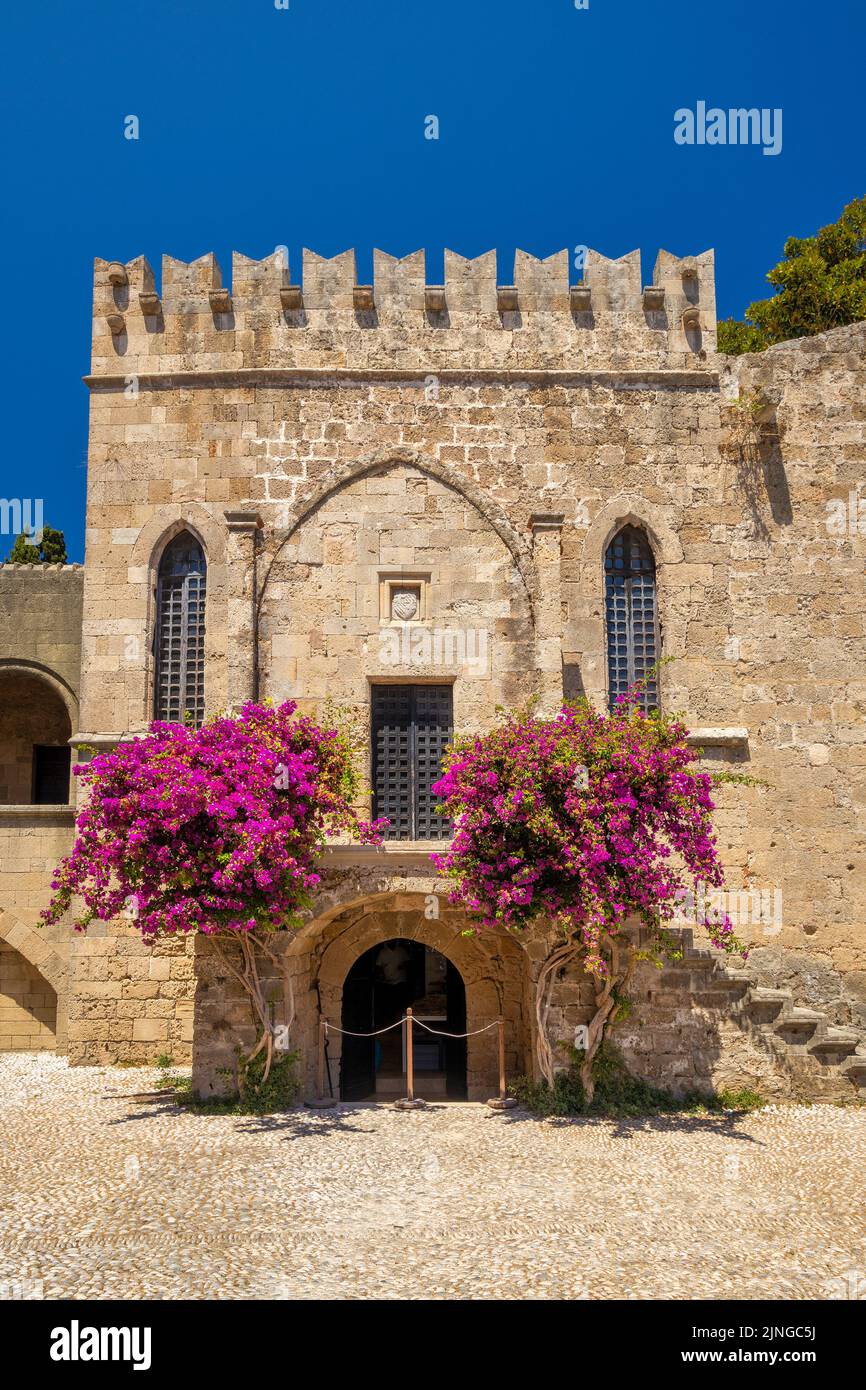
x: 424, y: 502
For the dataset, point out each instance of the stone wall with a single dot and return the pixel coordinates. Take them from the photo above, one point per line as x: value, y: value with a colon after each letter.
x: 41, y: 619
x: 129, y: 1001
x: 794, y: 455
x: 40, y: 660
x: 326, y: 623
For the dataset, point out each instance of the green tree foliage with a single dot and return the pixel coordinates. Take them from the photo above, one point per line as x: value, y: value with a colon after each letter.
x: 820, y: 283
x: 51, y: 549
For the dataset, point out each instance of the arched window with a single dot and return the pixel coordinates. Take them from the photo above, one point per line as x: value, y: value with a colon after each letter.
x: 180, y: 596
x: 632, y: 615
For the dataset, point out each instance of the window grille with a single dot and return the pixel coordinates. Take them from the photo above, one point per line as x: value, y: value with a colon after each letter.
x: 180, y: 604
x: 631, y: 613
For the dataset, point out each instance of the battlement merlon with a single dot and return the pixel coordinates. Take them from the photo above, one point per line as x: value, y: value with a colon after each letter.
x: 323, y: 319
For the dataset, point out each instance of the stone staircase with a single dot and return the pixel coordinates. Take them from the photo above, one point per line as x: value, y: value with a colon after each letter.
x: 822, y: 1060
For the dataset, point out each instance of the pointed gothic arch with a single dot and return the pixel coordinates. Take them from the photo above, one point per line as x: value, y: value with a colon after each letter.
x: 380, y: 462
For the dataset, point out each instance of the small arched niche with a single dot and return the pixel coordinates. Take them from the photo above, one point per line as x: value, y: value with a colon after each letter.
x: 35, y: 728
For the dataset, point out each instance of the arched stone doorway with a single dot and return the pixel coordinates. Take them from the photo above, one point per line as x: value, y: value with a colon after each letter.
x: 493, y: 968
x: 382, y: 984
x: 28, y: 1005
x: 35, y: 728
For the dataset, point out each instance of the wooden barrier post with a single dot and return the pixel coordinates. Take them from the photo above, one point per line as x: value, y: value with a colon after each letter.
x: 410, y: 1056
x: 409, y: 1102
x: 503, y: 1101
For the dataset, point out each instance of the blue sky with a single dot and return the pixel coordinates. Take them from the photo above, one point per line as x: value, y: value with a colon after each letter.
x: 305, y: 126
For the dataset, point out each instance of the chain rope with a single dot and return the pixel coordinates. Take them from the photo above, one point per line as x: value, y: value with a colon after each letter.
x: 348, y: 1033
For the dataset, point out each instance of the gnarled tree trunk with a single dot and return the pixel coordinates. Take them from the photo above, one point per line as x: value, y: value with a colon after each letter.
x: 252, y: 947
x: 608, y: 991
x: 607, y: 994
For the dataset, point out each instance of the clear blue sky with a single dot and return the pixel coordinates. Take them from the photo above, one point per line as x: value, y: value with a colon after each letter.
x: 305, y: 126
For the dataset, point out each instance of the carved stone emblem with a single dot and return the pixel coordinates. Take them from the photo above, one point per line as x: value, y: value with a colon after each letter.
x: 404, y: 604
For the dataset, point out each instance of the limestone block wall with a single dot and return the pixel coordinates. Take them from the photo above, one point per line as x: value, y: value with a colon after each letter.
x: 794, y: 456
x: 326, y: 628
x: 40, y: 618
x: 40, y: 659
x: 33, y: 839
x: 129, y: 1001
x: 328, y: 321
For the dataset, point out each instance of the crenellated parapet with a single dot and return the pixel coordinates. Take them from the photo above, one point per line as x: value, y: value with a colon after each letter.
x: 322, y: 319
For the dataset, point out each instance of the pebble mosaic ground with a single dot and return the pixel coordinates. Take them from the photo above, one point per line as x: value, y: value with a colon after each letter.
x: 103, y: 1195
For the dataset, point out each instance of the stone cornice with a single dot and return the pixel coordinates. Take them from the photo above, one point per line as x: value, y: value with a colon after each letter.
x: 243, y: 520
x: 399, y: 853
x: 102, y: 740
x: 288, y: 376
x: 719, y: 738
x: 61, y: 812
x: 546, y: 521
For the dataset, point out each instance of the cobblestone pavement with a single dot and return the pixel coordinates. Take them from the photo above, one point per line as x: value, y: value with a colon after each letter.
x: 106, y: 1196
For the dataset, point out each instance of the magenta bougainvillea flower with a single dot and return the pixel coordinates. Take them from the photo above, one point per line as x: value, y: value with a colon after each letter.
x: 217, y: 829
x: 586, y: 818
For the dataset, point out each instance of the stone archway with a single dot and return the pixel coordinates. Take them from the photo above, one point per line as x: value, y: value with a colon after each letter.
x: 384, y: 982
x: 35, y: 948
x: 495, y: 970
x: 32, y: 988
x: 28, y: 1004
x: 383, y: 460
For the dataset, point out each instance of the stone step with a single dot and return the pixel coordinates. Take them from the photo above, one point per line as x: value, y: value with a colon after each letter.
x: 698, y: 960
x: 726, y: 985
x: 836, y: 1041
x: 768, y: 1002
x: 800, y: 1021
x: 762, y: 995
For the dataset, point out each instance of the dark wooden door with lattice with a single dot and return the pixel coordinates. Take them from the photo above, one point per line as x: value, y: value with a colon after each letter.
x: 412, y: 726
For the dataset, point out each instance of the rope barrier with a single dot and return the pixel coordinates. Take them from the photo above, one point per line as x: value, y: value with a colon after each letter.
x: 502, y: 1102
x: 440, y: 1032
x: 347, y: 1032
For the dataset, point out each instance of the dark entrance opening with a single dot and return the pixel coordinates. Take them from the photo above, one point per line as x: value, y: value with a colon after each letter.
x: 382, y: 984
x: 51, y: 767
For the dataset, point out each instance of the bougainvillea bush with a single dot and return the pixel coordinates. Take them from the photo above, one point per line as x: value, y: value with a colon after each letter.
x: 587, y: 819
x: 215, y: 830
